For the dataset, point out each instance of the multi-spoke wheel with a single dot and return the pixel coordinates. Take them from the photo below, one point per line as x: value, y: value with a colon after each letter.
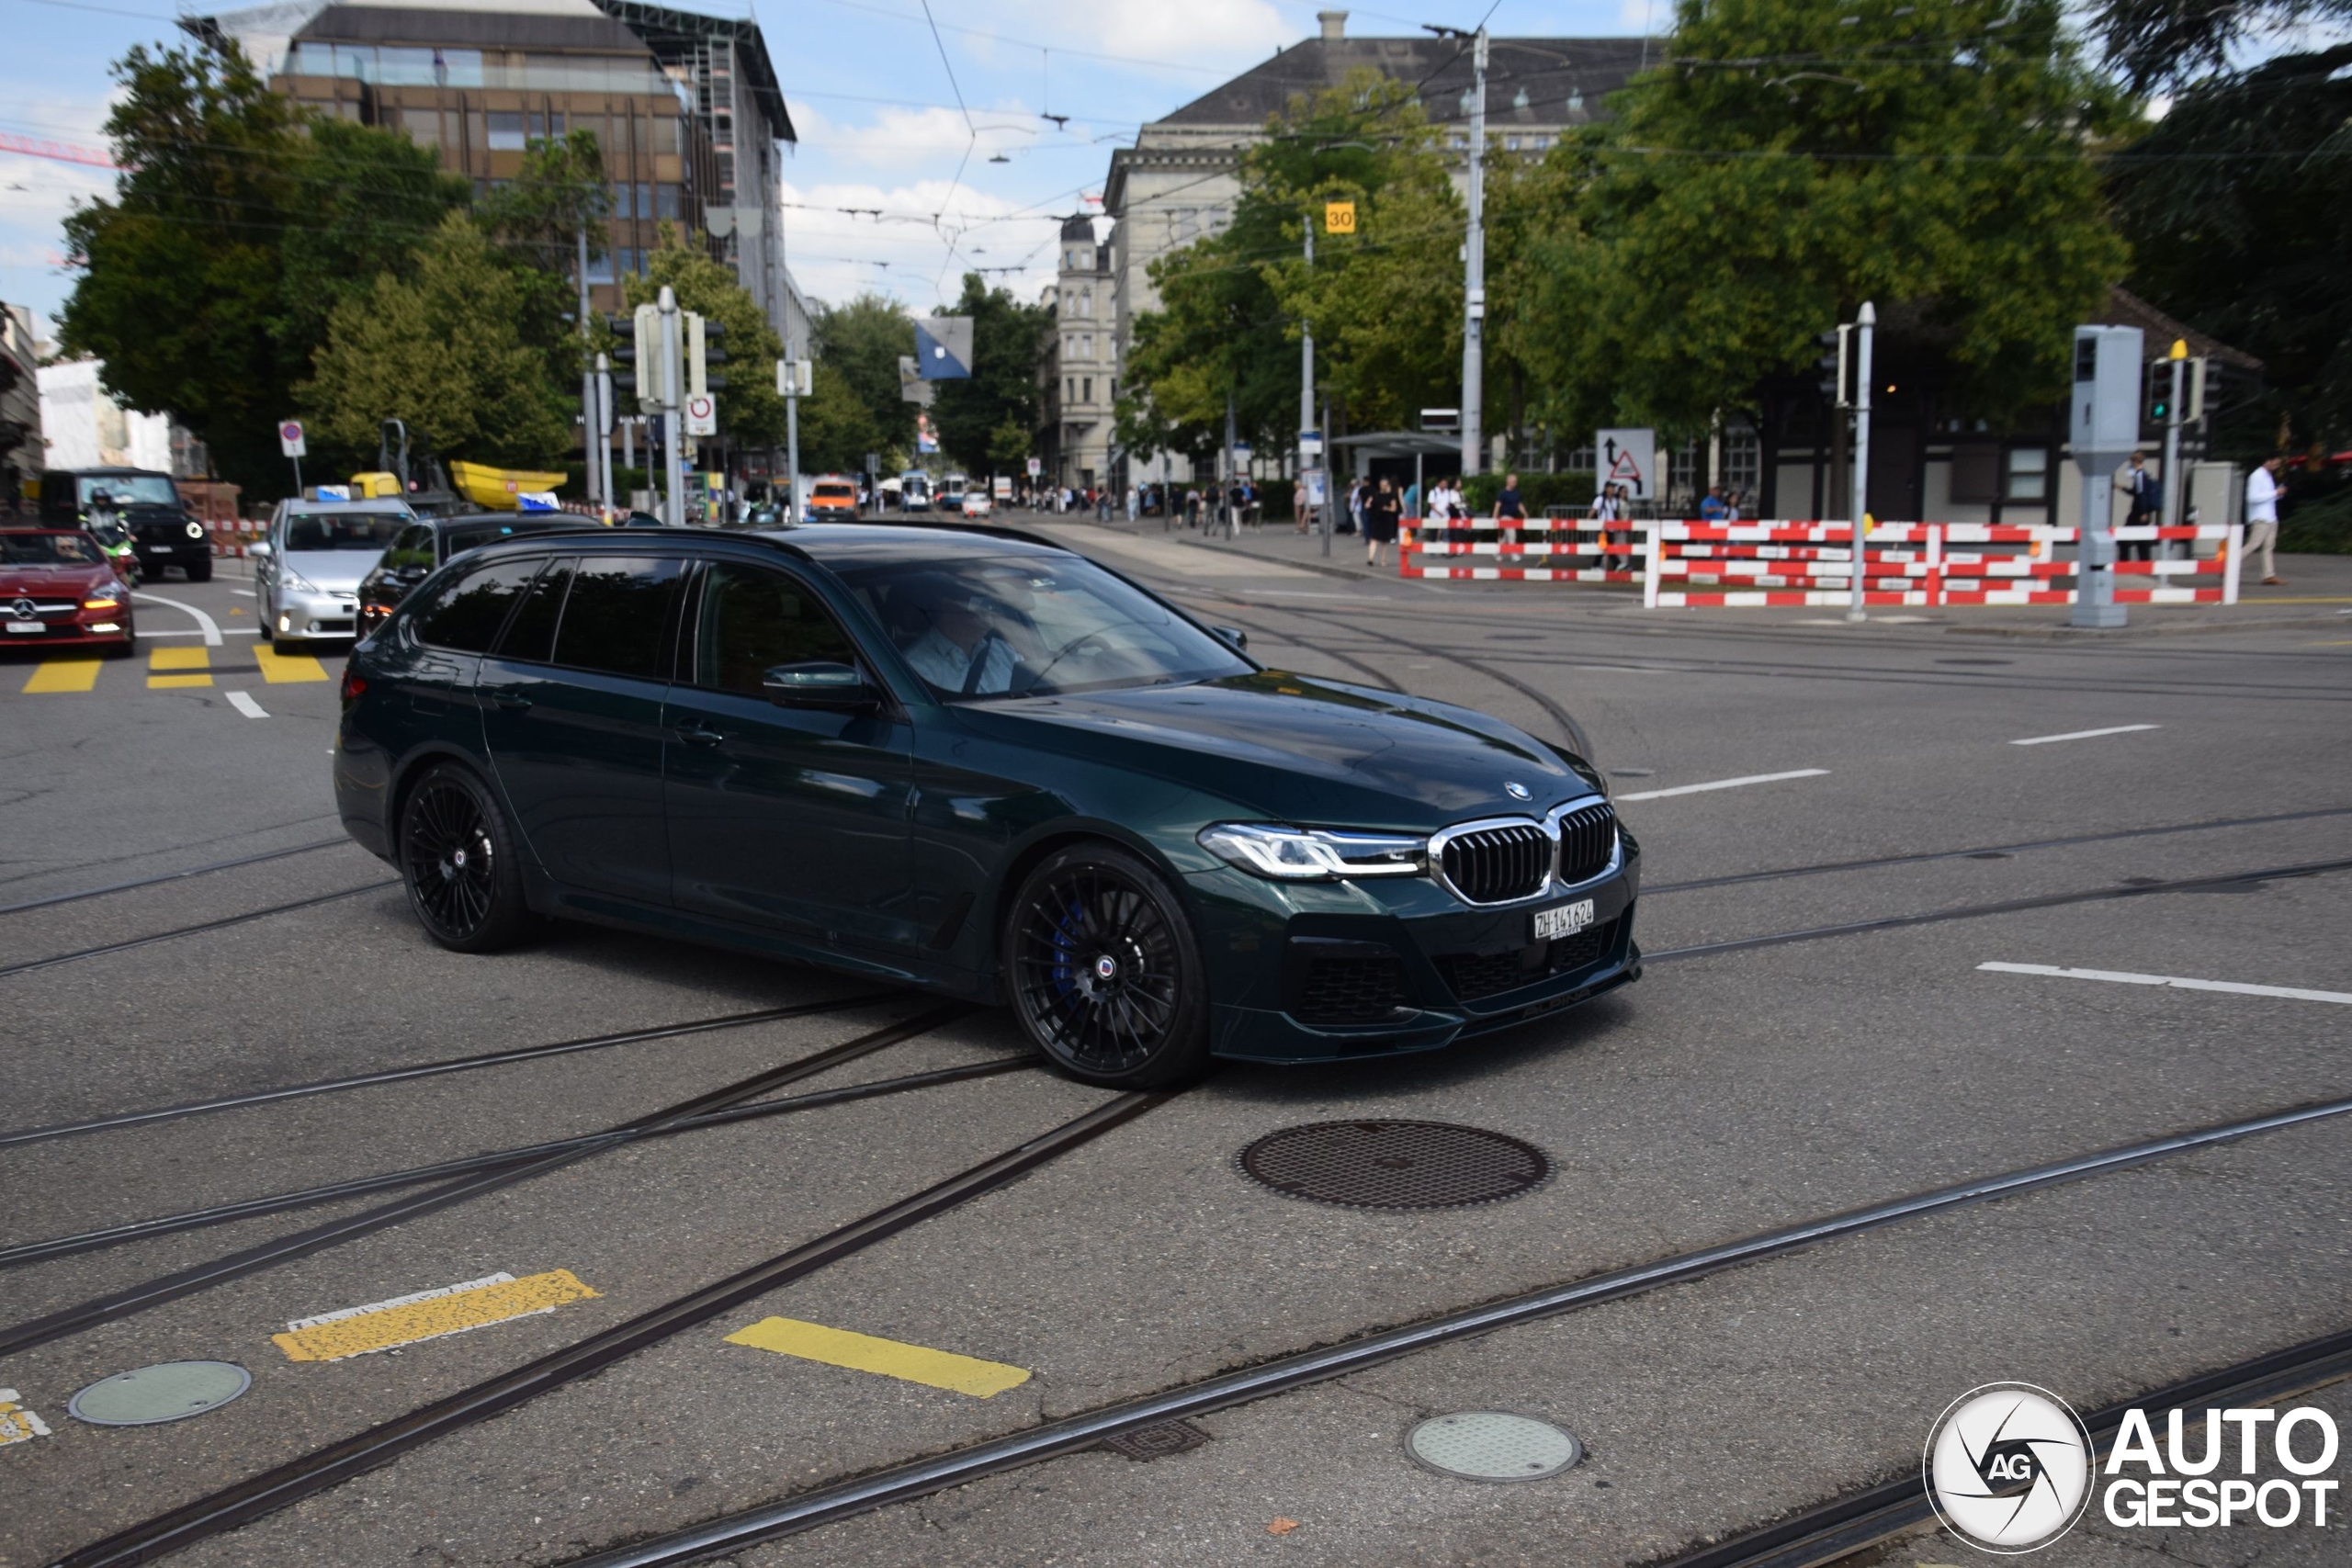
x: 1103, y: 970
x: 457, y: 859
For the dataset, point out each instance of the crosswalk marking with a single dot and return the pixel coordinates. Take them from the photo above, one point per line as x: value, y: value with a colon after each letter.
x: 428, y: 1315
x: 280, y: 667
x: 865, y: 1353
x: 193, y: 666
x: 63, y: 675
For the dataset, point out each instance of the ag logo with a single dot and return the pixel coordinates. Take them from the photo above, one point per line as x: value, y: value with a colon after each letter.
x: 2007, y: 1467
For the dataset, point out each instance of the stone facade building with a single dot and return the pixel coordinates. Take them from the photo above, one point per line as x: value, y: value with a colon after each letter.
x: 1077, y: 374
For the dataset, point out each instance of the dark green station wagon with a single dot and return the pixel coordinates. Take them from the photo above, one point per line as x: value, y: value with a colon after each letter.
x: 978, y: 762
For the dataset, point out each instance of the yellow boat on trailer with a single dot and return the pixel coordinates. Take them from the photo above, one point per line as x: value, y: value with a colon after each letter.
x: 500, y: 489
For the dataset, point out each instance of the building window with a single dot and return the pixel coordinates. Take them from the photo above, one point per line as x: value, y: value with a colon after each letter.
x: 1086, y: 302
x: 600, y: 268
x: 2029, y: 474
x: 665, y: 202
x: 1743, y: 462
x: 505, y: 133
x: 424, y: 126
x: 1086, y: 346
x: 1089, y: 383
x: 538, y: 126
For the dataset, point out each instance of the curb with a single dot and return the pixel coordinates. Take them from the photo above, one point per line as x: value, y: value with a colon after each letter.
x: 1345, y: 574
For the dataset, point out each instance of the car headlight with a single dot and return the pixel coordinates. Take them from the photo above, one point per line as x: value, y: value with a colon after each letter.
x: 1303, y: 854
x: 196, y: 530
x: 297, y: 581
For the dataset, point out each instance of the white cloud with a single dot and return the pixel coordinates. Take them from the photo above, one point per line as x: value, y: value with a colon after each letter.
x: 907, y: 253
x: 35, y: 194
x: 898, y: 137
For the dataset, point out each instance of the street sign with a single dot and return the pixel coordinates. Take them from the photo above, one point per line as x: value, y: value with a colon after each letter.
x: 874, y: 462
x: 1339, y: 218
x: 1036, y: 467
x: 289, y: 439
x: 1311, y: 443
x: 795, y: 377
x: 1628, y: 457
x: 944, y: 348
x: 702, y: 415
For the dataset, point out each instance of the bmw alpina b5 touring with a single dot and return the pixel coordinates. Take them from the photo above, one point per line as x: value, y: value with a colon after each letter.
x: 961, y: 758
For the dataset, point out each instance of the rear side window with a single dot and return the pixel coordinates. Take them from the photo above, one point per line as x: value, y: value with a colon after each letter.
x: 413, y: 547
x: 753, y: 620
x: 531, y: 636
x: 465, y: 613
x: 617, y: 618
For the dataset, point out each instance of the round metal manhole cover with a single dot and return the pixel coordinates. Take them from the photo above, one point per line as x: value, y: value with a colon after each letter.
x: 1396, y: 1165
x: 1492, y: 1445
x: 172, y: 1390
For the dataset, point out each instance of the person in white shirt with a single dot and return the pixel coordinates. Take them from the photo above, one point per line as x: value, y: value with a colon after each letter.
x: 2262, y: 492
x: 960, y: 654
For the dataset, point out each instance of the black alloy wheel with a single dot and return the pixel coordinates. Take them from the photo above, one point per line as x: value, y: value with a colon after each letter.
x: 457, y: 861
x: 1105, y: 973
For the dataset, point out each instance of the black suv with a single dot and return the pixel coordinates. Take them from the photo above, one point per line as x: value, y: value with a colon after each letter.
x: 429, y: 541
x: 162, y: 532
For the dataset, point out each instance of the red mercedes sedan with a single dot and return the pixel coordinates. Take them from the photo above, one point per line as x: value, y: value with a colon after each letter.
x: 56, y: 588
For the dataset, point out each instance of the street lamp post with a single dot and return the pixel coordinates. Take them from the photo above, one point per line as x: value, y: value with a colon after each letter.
x: 1865, y: 320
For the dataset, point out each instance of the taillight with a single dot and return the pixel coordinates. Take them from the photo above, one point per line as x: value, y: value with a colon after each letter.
x: 353, y: 683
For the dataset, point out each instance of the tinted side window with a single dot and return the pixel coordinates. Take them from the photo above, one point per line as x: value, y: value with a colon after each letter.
x: 615, y: 620
x: 532, y: 633
x: 413, y: 547
x: 753, y: 619
x: 466, y: 612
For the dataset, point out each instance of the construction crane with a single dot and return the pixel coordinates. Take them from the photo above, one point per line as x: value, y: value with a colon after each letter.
x: 55, y: 152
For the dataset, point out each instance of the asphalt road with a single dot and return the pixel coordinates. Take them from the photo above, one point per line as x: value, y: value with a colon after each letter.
x: 1742, y: 1086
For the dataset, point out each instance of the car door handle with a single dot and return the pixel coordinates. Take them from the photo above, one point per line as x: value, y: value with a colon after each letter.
x: 513, y: 700
x: 699, y: 735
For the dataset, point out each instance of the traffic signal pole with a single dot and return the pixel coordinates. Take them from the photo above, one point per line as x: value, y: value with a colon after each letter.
x: 2174, y: 488
x: 673, y: 484
x: 1474, y: 275
x: 1865, y: 322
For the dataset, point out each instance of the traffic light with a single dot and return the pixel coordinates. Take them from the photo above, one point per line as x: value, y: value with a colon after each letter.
x: 1835, y: 364
x: 2160, y: 391
x: 706, y: 346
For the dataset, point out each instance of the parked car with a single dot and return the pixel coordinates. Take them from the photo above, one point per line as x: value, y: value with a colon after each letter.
x: 307, y: 571
x: 59, y: 590
x: 981, y: 763
x: 976, y: 503
x: 160, y: 529
x: 427, y: 543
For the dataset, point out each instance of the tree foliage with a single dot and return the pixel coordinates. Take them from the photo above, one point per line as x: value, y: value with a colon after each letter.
x: 445, y: 353
x: 1007, y: 337
x: 2160, y: 42
x: 862, y: 343
x: 1790, y: 162
x: 751, y: 413
x: 237, y: 229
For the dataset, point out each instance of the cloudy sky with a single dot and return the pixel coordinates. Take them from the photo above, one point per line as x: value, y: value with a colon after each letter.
x: 886, y: 122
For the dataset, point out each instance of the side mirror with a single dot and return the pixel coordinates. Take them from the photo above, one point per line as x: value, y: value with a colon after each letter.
x: 413, y: 573
x: 1233, y: 635
x: 837, y: 688
x: 260, y: 547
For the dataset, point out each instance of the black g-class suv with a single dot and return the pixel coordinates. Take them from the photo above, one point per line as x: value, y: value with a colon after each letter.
x: 161, y: 530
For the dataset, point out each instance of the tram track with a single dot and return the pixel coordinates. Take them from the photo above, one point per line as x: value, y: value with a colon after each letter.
x: 381, y: 1443
x: 200, y: 928
x: 791, y: 1515
x: 116, y: 1306
x: 182, y: 875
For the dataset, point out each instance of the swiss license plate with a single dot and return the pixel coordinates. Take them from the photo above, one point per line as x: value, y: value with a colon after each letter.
x: 159, y: 549
x: 1566, y: 920
x: 25, y: 626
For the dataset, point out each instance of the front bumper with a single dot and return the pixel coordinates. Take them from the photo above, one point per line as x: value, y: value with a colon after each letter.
x: 1307, y: 972
x: 308, y: 614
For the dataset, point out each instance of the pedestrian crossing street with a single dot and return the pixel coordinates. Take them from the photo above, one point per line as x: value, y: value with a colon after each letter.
x: 168, y: 669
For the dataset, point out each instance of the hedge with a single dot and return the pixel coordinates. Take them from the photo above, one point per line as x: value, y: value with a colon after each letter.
x: 1536, y: 491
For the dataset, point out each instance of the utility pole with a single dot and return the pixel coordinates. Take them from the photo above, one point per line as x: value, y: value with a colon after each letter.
x: 602, y: 467
x: 1474, y: 275
x: 1865, y: 320
x: 673, y: 481
x: 1307, y: 376
x: 589, y: 418
x: 792, y: 434
x: 2174, y: 489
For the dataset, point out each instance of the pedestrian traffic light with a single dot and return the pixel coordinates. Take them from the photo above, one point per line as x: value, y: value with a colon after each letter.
x: 2159, y: 393
x: 706, y: 346
x: 1837, y: 369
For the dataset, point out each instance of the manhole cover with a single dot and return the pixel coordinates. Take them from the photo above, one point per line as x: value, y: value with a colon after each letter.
x: 1396, y: 1165
x: 1147, y: 1443
x: 172, y: 1390
x: 1490, y: 1445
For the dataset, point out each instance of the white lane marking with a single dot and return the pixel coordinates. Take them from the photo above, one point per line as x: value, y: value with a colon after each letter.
x: 243, y: 592
x: 204, y: 624
x: 2082, y: 734
x: 2122, y: 977
x: 244, y: 702
x: 1726, y: 783
x: 192, y: 631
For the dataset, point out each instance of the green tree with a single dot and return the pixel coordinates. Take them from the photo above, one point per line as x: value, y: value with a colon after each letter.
x: 836, y: 427
x: 2158, y: 41
x: 445, y: 353
x: 1007, y: 337
x: 1794, y: 160
x: 535, y: 220
x: 751, y: 413
x: 863, y: 341
x: 236, y: 229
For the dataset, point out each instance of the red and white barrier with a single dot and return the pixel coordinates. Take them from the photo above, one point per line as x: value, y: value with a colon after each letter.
x: 1800, y: 564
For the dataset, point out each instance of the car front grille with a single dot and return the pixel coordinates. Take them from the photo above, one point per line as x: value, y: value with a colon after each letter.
x: 1348, y: 989
x: 1495, y: 865
x: 1587, y: 843
x: 1473, y: 976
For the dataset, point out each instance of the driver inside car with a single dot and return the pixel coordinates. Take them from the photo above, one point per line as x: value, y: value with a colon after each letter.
x: 960, y: 650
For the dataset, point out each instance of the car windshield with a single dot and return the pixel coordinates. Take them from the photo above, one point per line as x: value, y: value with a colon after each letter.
x: 47, y: 549
x: 1011, y: 627
x: 129, y: 489
x: 342, y: 530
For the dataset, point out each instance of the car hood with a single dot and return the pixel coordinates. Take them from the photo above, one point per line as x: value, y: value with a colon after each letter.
x: 1293, y: 748
x: 53, y: 581
x: 334, y: 571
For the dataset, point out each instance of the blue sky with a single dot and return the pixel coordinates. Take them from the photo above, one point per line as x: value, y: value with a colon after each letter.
x: 870, y: 93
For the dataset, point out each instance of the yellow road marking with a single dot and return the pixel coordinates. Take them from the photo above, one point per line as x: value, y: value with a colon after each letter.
x: 181, y: 658
x: 279, y: 668
x: 428, y: 1315
x: 18, y: 1424
x: 865, y: 1353
x: 63, y: 675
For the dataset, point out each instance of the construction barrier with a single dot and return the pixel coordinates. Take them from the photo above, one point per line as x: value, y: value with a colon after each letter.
x: 1796, y: 564
x: 231, y: 537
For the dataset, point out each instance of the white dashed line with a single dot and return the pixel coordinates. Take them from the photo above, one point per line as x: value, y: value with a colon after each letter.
x: 2120, y: 978
x: 204, y: 622
x: 2083, y: 734
x: 1726, y: 783
x: 244, y: 704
